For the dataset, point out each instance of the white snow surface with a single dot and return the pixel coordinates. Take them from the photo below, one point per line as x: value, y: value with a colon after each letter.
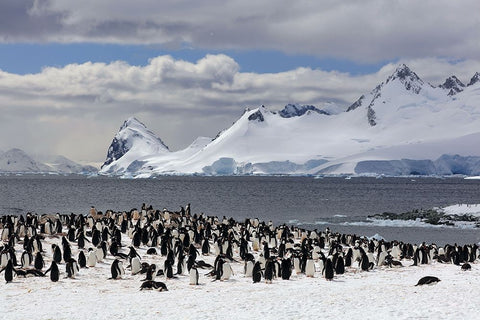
x: 402, y: 118
x: 381, y: 293
x: 462, y: 209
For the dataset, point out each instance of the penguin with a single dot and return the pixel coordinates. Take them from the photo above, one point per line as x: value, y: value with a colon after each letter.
x: 466, y: 266
x: 54, y: 272
x: 117, y: 269
x: 427, y: 280
x: 328, y: 269
x: 340, y: 265
x: 257, y: 272
x: 92, y: 258
x: 82, y: 260
x: 150, y: 284
x: 269, y: 271
x: 39, y: 263
x: 168, y: 269
x: 151, y: 272
x: 193, y: 276
x: 227, y: 271
x: 135, y: 265
x: 26, y: 259
x: 57, y: 253
x: 364, y: 262
x: 71, y: 267
x: 296, y: 265
x: 286, y: 268
x: 152, y: 251
x: 9, y: 271
x: 248, y: 268
x: 310, y: 268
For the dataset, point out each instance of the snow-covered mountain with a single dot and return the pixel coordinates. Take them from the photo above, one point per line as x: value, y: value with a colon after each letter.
x: 132, y: 142
x: 403, y: 126
x: 17, y: 161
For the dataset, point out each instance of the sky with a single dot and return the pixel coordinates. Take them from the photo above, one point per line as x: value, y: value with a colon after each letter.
x: 72, y: 71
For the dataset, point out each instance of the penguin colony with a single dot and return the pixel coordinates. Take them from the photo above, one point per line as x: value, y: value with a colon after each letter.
x: 177, y: 243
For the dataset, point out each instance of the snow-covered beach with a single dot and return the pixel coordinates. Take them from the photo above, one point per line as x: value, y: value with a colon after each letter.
x: 383, y: 291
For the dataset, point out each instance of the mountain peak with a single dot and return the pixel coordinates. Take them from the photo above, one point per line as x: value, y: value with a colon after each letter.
x: 293, y: 110
x: 475, y: 79
x: 132, y: 122
x: 453, y: 84
x: 407, y: 77
x: 133, y: 134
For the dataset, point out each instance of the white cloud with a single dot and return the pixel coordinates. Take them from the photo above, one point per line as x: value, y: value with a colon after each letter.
x: 361, y: 31
x: 75, y: 110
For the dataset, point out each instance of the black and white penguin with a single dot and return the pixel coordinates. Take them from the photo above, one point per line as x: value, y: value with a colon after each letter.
x: 227, y: 271
x: 135, y: 265
x: 328, y: 269
x: 168, y: 269
x: 71, y: 268
x: 466, y: 266
x: 54, y: 272
x: 269, y: 270
x: 310, y: 268
x: 248, y: 268
x: 286, y: 268
x: 427, y: 280
x: 57, y: 253
x: 193, y: 276
x: 150, y: 285
x: 82, y: 260
x: 91, y: 258
x: 117, y: 269
x: 257, y: 272
x: 9, y: 271
x: 340, y: 265
x: 39, y: 263
x: 26, y: 259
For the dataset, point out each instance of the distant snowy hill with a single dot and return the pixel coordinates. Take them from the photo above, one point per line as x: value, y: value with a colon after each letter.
x: 17, y: 161
x: 403, y: 126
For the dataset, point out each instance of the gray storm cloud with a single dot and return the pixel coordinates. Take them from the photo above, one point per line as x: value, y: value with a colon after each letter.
x: 362, y: 31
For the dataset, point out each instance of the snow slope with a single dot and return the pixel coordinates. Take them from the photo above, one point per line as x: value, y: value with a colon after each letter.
x: 403, y: 118
x: 17, y: 161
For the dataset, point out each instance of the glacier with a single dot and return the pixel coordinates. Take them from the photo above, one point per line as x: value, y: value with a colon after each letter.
x: 404, y: 126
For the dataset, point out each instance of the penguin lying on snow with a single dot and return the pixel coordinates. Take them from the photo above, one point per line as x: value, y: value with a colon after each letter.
x: 427, y: 280
x: 150, y: 285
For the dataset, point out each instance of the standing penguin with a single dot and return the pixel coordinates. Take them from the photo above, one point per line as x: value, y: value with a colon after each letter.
x: 117, y: 269
x: 54, y: 272
x: 227, y: 271
x: 286, y: 268
x: 71, y: 267
x: 135, y: 265
x: 92, y: 258
x: 39, y: 263
x: 248, y: 268
x: 328, y: 272
x: 26, y: 259
x: 310, y: 268
x: 9, y: 271
x: 82, y: 260
x: 269, y: 271
x: 340, y: 265
x: 168, y: 269
x: 193, y: 276
x: 57, y: 253
x: 257, y: 272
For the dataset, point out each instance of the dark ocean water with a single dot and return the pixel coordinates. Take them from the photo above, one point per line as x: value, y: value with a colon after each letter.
x: 341, y: 204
